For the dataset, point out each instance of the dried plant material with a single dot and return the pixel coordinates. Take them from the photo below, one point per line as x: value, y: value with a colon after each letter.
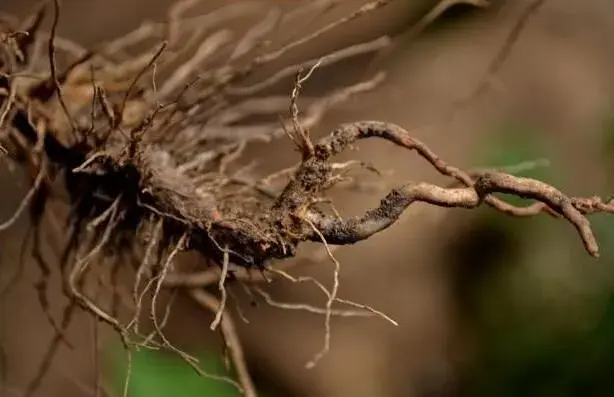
x: 256, y: 34
x: 149, y: 151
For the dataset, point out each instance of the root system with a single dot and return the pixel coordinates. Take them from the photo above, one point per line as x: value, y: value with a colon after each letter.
x: 145, y: 150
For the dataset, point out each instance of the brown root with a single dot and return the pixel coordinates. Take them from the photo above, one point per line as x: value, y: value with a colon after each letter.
x: 149, y: 165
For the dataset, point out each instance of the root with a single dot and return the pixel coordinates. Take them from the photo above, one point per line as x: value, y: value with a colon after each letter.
x: 149, y: 162
x: 51, y: 351
x: 329, y: 303
x: 82, y: 264
x: 210, y: 303
x: 25, y: 202
x: 144, y: 269
x: 157, y: 327
x: 309, y: 308
x: 41, y: 285
x: 222, y: 289
x: 328, y: 294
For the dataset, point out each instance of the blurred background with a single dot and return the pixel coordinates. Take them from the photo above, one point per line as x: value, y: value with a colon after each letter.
x: 487, y: 305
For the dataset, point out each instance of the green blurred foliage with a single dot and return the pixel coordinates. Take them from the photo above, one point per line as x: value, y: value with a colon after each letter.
x: 536, y: 360
x: 158, y: 374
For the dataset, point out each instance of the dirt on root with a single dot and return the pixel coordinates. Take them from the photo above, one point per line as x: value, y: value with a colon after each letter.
x: 410, y: 283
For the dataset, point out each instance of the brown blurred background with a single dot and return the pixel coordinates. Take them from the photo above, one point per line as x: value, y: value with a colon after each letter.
x: 477, y: 295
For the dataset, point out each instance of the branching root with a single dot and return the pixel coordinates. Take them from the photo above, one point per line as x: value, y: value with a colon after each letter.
x: 149, y: 173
